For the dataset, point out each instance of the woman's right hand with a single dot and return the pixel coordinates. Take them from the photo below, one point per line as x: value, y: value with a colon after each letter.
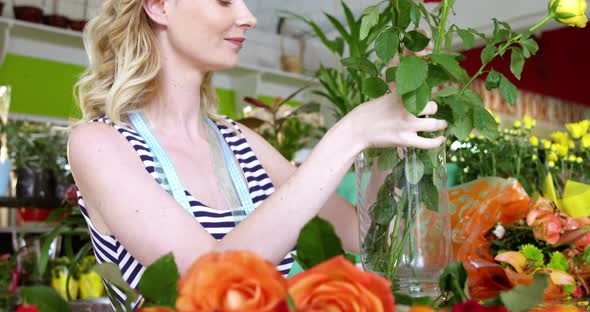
x: 385, y: 122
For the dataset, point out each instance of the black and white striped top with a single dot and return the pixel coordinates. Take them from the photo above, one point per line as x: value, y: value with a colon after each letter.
x: 217, y: 222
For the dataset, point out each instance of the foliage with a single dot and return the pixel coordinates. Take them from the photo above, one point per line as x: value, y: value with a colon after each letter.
x: 286, y: 129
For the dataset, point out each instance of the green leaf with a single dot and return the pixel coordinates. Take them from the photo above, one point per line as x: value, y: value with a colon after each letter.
x: 485, y: 123
x: 472, y: 98
x: 369, y: 20
x: 516, y: 62
x: 451, y: 66
x: 521, y: 298
x: 352, y: 22
x: 487, y: 54
x: 339, y: 27
x: 436, y: 75
x: 415, y: 41
x: 558, y: 262
x: 430, y: 192
x: 387, y: 44
x: 415, y: 101
x: 415, y: 15
x: 158, y: 282
x: 458, y: 106
x: 361, y: 64
x: 405, y: 12
x: 533, y: 254
x: 44, y: 254
x: 461, y: 128
x: 390, y: 74
x: 414, y: 170
x: 454, y: 280
x: 530, y: 45
x: 586, y: 255
x: 407, y: 300
x: 374, y: 87
x: 411, y: 74
x: 383, y: 210
x: 493, y: 80
x: 317, y: 243
x: 388, y: 159
x: 111, y: 273
x: 45, y: 298
x: 508, y: 90
x: 467, y: 37
x: 291, y: 303
x: 446, y: 92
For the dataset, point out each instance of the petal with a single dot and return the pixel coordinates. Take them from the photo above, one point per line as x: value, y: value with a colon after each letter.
x: 516, y: 259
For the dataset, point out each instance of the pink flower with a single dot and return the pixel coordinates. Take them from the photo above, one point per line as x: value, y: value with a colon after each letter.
x: 545, y: 224
x: 581, y: 243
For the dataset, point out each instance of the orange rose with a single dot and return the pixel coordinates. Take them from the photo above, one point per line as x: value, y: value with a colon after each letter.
x: 234, y: 281
x: 337, y: 285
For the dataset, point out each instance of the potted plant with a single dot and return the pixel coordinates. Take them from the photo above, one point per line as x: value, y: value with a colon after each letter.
x: 283, y: 126
x: 36, y: 150
x: 28, y: 10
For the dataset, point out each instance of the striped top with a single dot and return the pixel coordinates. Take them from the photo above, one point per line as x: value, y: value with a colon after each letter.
x: 217, y: 222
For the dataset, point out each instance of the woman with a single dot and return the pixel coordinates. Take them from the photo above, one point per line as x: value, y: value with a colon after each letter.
x: 149, y: 80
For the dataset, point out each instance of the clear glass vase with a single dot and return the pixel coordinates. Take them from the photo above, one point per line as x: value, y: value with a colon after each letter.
x: 402, y: 203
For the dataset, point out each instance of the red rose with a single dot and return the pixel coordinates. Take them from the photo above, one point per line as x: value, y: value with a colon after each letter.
x: 27, y: 308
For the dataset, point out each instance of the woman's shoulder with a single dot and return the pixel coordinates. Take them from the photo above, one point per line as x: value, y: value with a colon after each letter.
x: 97, y: 136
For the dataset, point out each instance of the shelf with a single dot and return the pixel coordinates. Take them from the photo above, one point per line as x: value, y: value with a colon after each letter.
x: 27, y: 229
x: 14, y: 23
x: 40, y: 203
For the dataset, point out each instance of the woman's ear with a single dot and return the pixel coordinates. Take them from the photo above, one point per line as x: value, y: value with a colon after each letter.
x: 156, y: 11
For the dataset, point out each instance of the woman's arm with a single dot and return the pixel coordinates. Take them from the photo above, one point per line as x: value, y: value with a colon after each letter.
x: 337, y: 210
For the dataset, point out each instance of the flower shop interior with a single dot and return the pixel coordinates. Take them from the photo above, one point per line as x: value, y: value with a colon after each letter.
x: 516, y: 186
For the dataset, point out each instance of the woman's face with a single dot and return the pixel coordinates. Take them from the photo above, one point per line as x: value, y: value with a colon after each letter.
x: 207, y: 34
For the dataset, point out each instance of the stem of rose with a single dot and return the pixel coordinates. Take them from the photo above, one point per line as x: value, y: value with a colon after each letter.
x: 503, y: 49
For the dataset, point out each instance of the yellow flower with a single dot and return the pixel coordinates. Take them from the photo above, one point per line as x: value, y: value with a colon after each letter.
x: 560, y: 149
x: 534, y: 157
x: 572, y: 158
x: 517, y: 124
x: 571, y: 144
x: 528, y: 122
x: 553, y: 157
x: 506, y: 138
x: 577, y: 130
x: 547, y: 144
x: 570, y: 12
x: 579, y: 160
x: 534, y: 141
x: 560, y: 137
x: 586, y: 141
x: 551, y: 164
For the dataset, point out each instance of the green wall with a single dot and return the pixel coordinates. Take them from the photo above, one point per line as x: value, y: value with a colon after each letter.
x: 42, y: 87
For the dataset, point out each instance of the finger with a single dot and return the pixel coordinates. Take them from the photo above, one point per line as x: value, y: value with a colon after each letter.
x: 429, y: 124
x: 430, y: 109
x: 426, y: 143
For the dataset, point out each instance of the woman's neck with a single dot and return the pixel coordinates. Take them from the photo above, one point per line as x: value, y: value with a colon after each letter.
x: 176, y: 108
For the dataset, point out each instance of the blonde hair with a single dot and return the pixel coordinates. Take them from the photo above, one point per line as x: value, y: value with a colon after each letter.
x: 124, y: 64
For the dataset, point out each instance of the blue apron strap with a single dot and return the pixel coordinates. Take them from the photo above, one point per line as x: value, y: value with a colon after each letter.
x: 176, y: 187
x: 235, y: 173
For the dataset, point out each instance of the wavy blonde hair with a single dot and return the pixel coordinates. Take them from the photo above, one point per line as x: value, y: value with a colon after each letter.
x: 124, y: 64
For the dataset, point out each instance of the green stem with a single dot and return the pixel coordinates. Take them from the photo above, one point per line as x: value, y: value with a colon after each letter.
x: 503, y: 49
x: 440, y: 34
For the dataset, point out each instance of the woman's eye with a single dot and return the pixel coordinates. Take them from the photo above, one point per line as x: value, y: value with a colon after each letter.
x: 225, y: 3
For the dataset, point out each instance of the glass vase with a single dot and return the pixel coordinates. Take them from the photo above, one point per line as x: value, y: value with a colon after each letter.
x: 402, y: 203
